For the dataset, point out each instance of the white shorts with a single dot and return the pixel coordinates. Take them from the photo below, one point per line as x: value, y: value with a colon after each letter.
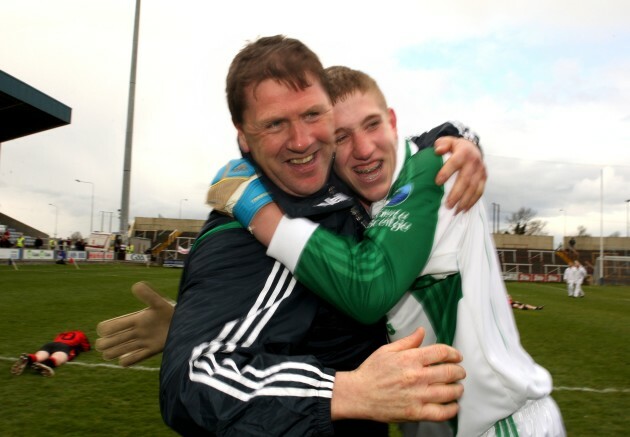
x: 539, y: 418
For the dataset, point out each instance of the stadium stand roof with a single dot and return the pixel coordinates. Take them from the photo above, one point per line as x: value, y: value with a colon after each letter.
x: 25, y: 110
x: 20, y: 227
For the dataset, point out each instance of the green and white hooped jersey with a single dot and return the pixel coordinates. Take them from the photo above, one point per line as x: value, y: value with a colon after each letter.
x: 459, y: 297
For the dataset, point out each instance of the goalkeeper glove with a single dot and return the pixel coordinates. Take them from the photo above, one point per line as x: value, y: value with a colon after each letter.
x: 237, y: 191
x: 137, y: 336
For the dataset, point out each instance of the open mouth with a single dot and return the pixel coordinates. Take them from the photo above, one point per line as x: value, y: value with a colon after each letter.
x: 305, y: 160
x: 369, y: 173
x: 369, y: 169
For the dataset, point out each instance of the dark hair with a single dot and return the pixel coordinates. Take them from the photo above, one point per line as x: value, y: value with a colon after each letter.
x: 283, y: 59
x: 343, y: 81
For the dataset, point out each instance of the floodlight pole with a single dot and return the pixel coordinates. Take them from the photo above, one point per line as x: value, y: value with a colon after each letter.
x: 124, y: 204
x: 56, y: 215
x: 601, y: 229
x: 180, y: 206
x: 564, y: 232
x: 92, y: 209
x: 627, y: 221
x: 496, y: 218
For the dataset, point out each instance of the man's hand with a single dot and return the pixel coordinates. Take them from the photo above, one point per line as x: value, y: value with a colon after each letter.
x: 401, y: 382
x: 137, y: 336
x: 471, y: 180
x: 237, y: 191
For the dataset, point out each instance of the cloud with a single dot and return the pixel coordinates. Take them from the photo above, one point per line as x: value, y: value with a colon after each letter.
x: 545, y: 84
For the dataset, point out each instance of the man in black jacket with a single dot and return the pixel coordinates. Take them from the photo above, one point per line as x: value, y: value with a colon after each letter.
x: 250, y: 351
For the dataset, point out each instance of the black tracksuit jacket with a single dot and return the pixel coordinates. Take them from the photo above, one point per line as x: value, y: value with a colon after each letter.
x: 250, y: 351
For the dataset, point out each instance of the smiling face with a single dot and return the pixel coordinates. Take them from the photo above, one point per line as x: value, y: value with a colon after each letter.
x: 289, y: 133
x: 366, y: 139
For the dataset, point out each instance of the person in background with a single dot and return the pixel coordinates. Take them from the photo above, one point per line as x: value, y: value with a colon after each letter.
x: 5, y: 242
x: 522, y: 306
x: 19, y: 243
x: 65, y: 347
x: 80, y: 244
x: 580, y: 275
x: 570, y: 277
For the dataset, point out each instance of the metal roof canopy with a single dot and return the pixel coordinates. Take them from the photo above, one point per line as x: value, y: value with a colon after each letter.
x: 25, y: 110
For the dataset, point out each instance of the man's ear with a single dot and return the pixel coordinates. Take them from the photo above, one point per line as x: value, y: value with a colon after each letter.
x: 242, y: 141
x: 392, y: 119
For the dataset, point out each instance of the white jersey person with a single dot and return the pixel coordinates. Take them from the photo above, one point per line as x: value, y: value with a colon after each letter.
x: 580, y: 275
x: 570, y: 277
x: 420, y: 263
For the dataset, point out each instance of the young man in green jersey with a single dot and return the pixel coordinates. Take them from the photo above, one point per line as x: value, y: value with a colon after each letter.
x: 420, y: 263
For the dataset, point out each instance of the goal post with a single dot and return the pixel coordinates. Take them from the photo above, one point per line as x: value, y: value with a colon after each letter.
x: 612, y: 270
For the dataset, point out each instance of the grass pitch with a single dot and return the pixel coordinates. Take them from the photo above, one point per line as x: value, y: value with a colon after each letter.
x: 582, y: 342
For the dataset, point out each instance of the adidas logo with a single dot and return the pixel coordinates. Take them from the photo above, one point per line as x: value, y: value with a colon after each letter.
x: 337, y: 198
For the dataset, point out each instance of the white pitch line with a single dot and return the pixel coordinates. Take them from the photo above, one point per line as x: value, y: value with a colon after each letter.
x: 108, y: 366
x: 593, y: 390
x: 156, y: 369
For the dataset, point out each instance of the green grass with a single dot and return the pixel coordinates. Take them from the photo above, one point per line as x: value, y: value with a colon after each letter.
x: 582, y: 342
x: 40, y: 301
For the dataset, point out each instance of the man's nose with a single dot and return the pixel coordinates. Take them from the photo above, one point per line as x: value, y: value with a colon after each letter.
x: 362, y: 148
x: 299, y: 137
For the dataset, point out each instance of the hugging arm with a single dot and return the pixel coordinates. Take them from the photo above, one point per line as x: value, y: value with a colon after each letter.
x: 366, y: 279
x: 226, y: 364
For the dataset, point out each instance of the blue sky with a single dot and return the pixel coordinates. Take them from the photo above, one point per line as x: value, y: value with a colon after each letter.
x: 507, y: 67
x: 502, y: 65
x: 545, y: 84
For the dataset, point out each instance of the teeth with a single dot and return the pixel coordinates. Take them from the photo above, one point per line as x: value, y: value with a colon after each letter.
x: 370, y: 178
x: 309, y: 158
x: 369, y: 169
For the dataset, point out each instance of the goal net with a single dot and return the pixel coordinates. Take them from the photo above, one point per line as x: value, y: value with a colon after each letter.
x: 615, y: 270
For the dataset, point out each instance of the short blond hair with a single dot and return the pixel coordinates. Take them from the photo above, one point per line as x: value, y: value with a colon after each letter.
x: 343, y: 82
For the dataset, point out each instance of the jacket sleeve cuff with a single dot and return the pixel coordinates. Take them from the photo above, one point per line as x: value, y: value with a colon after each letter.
x: 324, y: 415
x: 289, y: 240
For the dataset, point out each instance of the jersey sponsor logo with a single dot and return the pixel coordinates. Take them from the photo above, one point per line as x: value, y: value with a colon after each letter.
x: 394, y: 219
x: 400, y: 195
x: 337, y: 198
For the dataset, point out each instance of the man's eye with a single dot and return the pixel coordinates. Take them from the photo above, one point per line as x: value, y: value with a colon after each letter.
x: 312, y: 116
x: 274, y: 125
x: 373, y: 125
x: 341, y: 139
